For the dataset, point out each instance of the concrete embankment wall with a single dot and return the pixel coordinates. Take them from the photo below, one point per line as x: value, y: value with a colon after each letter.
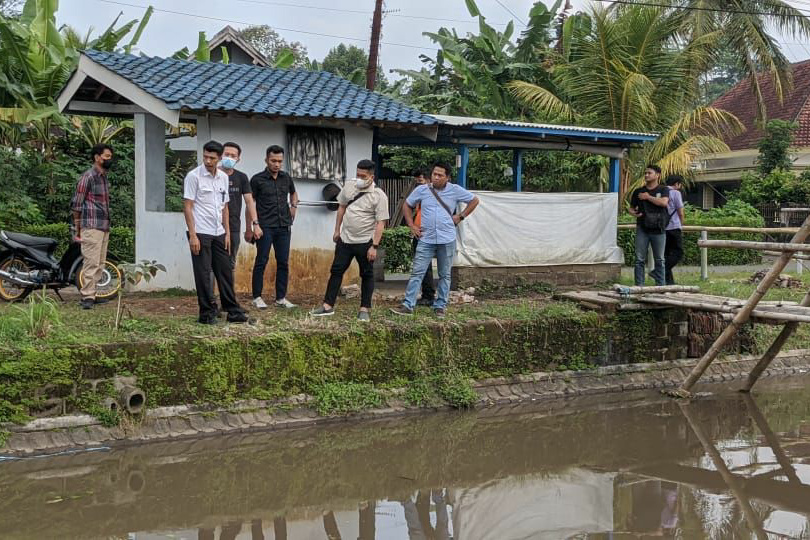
x: 196, y: 386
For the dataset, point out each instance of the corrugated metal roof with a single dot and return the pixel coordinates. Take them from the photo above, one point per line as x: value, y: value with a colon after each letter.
x: 469, y: 121
x: 201, y: 86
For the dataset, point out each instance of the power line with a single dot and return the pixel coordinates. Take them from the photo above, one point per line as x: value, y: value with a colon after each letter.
x: 512, y: 13
x: 362, y: 12
x: 800, y: 13
x: 291, y: 30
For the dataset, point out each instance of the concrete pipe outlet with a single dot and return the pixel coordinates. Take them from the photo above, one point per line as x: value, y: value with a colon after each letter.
x: 131, y: 399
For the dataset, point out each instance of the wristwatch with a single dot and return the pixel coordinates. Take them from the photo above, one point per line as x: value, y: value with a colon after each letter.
x: 255, y: 223
x: 375, y: 246
x: 461, y: 217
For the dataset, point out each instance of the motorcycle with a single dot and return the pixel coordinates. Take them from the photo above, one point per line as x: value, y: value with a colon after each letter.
x: 28, y: 263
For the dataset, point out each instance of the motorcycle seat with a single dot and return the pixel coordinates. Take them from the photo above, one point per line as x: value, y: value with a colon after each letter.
x: 37, y: 242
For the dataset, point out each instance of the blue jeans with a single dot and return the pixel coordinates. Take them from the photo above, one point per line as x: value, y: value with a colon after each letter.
x: 421, y: 260
x: 658, y: 243
x: 279, y: 239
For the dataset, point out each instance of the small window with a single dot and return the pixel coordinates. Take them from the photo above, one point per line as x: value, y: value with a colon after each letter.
x: 316, y: 153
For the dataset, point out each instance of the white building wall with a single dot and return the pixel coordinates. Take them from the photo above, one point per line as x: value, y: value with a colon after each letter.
x: 161, y: 236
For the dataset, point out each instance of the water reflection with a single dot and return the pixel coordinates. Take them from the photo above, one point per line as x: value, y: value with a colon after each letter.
x: 607, y: 467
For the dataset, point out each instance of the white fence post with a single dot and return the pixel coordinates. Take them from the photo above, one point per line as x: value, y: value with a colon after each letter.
x: 704, y: 257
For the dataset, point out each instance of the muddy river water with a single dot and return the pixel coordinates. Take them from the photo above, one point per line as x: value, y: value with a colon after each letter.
x: 629, y: 466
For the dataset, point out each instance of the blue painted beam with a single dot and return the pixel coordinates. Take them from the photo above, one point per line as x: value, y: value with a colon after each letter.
x: 615, y: 173
x: 464, y: 153
x: 517, y: 170
x: 573, y: 133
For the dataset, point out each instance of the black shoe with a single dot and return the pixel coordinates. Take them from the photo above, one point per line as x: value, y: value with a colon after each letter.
x: 87, y: 303
x: 440, y: 313
x: 100, y: 300
x: 402, y: 310
x: 207, y: 320
x: 237, y: 317
x: 424, y: 302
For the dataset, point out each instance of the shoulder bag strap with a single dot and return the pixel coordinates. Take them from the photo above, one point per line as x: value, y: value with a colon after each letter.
x: 356, y: 198
x: 441, y: 202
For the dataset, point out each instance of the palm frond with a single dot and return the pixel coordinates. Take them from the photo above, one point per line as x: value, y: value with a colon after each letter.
x: 541, y: 100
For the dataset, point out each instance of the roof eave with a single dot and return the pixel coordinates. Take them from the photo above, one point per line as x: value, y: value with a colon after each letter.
x: 88, y: 68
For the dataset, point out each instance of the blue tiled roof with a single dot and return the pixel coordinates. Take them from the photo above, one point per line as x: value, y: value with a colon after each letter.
x: 201, y: 86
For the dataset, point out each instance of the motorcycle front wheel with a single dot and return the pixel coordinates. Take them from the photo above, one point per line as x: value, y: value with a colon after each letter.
x: 10, y: 291
x: 109, y: 284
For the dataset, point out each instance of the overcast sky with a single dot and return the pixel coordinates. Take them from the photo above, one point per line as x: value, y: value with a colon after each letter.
x: 296, y: 20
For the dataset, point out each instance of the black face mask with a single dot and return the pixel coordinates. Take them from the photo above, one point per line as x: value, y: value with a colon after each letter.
x: 106, y: 164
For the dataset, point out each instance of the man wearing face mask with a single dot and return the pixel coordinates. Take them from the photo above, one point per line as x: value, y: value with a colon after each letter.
x: 91, y: 217
x: 238, y: 188
x: 361, y: 217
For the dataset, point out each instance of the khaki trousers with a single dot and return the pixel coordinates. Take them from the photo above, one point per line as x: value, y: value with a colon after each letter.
x: 94, y: 251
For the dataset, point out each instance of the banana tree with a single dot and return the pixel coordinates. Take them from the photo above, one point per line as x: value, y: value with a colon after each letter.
x: 469, y: 73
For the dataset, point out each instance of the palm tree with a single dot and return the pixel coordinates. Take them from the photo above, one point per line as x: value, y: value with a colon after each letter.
x: 624, y: 69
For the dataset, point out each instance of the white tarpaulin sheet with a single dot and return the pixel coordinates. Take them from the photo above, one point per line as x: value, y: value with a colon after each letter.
x: 537, y: 229
x: 571, y: 505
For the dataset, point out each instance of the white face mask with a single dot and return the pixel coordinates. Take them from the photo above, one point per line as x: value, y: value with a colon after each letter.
x: 228, y: 162
x: 361, y: 184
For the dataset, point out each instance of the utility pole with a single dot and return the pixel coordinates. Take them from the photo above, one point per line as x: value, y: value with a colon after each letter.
x: 373, y: 53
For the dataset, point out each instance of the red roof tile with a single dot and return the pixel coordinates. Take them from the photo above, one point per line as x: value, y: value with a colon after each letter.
x: 794, y: 107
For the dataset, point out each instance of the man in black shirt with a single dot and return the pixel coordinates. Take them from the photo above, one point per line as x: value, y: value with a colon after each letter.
x: 276, y: 203
x: 238, y: 188
x: 649, y: 205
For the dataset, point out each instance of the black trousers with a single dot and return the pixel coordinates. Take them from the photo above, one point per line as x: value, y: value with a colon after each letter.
x: 428, y: 290
x: 235, y: 241
x: 673, y: 253
x: 214, y: 257
x: 344, y: 253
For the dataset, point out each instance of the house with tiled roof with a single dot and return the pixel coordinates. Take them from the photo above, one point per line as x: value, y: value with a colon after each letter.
x: 325, y: 123
x: 720, y: 173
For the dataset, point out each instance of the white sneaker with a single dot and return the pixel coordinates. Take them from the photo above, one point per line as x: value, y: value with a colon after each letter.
x: 258, y: 303
x: 285, y: 303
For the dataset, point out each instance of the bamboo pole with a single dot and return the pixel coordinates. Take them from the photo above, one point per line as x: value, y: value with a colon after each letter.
x: 743, y: 244
x: 801, y: 256
x: 743, y: 315
x: 771, y: 439
x: 755, y: 230
x: 734, y: 483
x: 623, y: 289
x: 777, y: 313
x: 773, y: 350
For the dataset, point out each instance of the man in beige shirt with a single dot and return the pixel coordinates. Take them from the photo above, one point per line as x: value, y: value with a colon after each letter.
x: 359, y: 225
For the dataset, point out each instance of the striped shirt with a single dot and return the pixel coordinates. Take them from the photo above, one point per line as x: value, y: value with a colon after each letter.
x: 92, y: 200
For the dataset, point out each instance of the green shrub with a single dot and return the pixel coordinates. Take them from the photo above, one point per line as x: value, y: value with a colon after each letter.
x: 122, y: 239
x: 398, y: 249
x: 735, y: 213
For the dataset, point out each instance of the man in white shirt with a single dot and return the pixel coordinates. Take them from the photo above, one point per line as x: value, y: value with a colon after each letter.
x: 205, y: 207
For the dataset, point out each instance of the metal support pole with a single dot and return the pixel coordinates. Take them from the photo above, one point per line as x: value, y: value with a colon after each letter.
x: 517, y: 169
x: 615, y: 173
x: 464, y: 162
x: 704, y: 258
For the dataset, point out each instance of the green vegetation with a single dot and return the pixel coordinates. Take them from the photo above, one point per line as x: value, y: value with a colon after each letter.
x: 774, y: 182
x: 345, y: 397
x: 735, y: 213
